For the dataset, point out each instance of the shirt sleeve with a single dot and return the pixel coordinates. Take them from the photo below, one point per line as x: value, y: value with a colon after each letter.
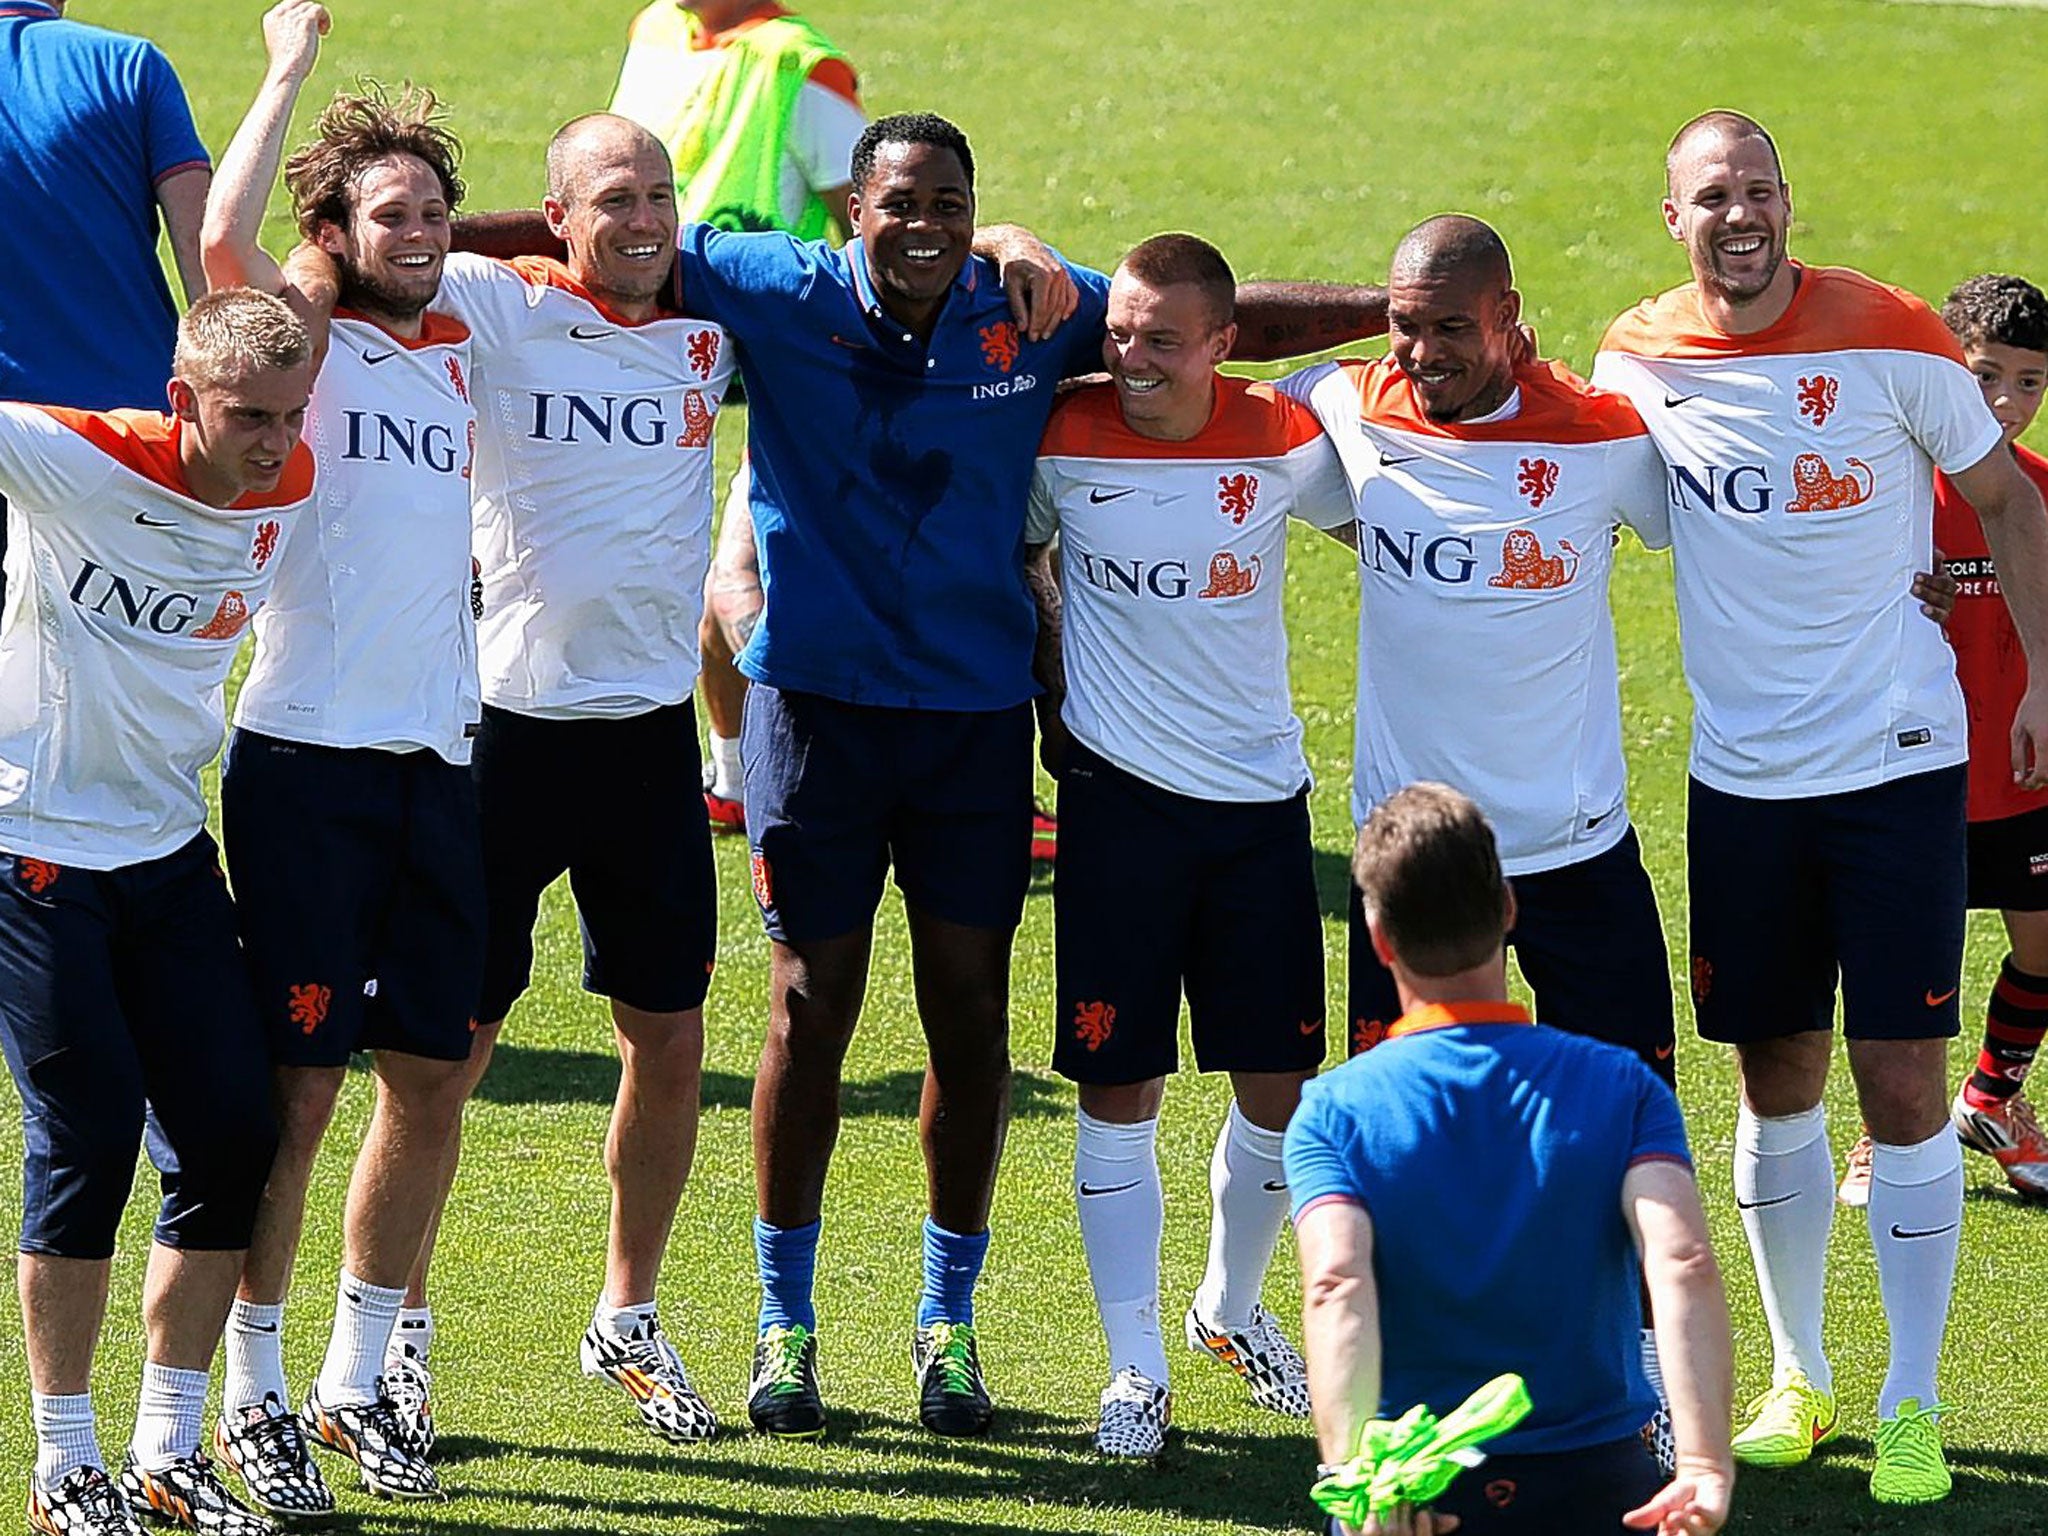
x: 1322, y: 491
x: 173, y: 142
x: 1301, y: 384
x: 1319, y: 1156
x: 1660, y: 1125
x: 45, y: 465
x: 1084, y: 328
x: 486, y: 295
x: 1943, y: 410
x: 1638, y: 474
x: 824, y: 126
x: 1041, y: 513
x: 741, y: 280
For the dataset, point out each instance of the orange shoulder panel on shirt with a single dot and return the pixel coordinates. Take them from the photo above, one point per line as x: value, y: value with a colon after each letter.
x: 1249, y: 421
x: 837, y: 76
x: 1557, y: 407
x: 147, y: 443
x: 435, y: 330
x: 1835, y: 310
x: 549, y: 272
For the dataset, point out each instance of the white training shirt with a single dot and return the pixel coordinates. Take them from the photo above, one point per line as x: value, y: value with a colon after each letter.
x: 1172, y: 556
x: 126, y: 600
x: 593, y: 490
x: 368, y: 639
x: 1485, y: 641
x: 1801, y: 466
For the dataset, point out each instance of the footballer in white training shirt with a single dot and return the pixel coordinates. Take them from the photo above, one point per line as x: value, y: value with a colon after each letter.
x: 1186, y: 863
x: 139, y: 547
x: 350, y: 755
x: 1802, y: 412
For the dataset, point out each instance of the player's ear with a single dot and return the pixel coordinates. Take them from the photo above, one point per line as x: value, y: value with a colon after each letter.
x: 556, y: 212
x: 1223, y: 342
x: 1507, y: 906
x: 1511, y: 308
x: 184, y: 401
x: 1380, y: 946
x: 328, y: 236
x: 1672, y: 225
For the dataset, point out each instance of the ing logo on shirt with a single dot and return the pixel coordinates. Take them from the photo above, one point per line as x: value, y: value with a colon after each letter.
x: 697, y: 419
x: 1817, y: 396
x: 265, y: 544
x: 1094, y: 1023
x: 1819, y: 489
x: 1523, y: 565
x: 1229, y: 579
x: 1237, y: 495
x: 703, y: 352
x: 999, y: 345
x: 1537, y: 480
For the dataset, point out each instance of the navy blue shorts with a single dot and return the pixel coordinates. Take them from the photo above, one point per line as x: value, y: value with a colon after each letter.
x: 123, y: 998
x: 837, y: 793
x: 359, y: 884
x: 2009, y: 863
x: 1789, y: 895
x: 619, y: 805
x: 1564, y: 1493
x: 1155, y: 893
x: 1590, y: 944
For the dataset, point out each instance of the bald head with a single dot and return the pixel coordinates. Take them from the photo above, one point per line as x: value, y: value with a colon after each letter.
x: 1712, y: 131
x: 1454, y: 248
x: 597, y: 139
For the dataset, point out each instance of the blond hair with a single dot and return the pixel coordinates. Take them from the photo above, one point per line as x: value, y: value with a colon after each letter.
x: 233, y: 332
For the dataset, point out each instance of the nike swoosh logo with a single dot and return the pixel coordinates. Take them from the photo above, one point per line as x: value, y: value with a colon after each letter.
x: 1388, y: 461
x: 1673, y: 402
x: 1107, y: 1189
x: 589, y: 333
x: 1899, y: 1231
x: 1275, y: 1187
x: 144, y: 520
x: 851, y: 346
x: 1936, y: 1002
x: 1312, y: 1028
x: 264, y: 1327
x: 372, y: 359
x: 1757, y: 1205
x: 1097, y: 498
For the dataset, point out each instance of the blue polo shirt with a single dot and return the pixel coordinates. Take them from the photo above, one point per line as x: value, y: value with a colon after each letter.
x: 90, y: 122
x: 889, y: 475
x: 1489, y: 1154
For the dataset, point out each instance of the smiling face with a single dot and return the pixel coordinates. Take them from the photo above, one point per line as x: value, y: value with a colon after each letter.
x: 914, y: 218
x: 1729, y: 206
x: 237, y: 434
x: 391, y: 252
x: 615, y: 207
x: 1452, y: 333
x: 1162, y: 349
x: 2012, y: 379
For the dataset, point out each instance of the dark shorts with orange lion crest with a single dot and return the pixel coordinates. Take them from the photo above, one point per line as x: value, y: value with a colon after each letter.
x: 1156, y: 894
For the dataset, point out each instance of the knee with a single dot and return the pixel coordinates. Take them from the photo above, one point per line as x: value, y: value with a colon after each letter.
x: 669, y: 1064
x: 305, y: 1098
x: 214, y: 1181
x: 77, y: 1171
x: 428, y: 1094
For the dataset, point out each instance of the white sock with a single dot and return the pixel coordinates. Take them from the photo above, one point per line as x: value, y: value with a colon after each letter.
x: 364, y: 1315
x: 255, y: 1357
x: 167, y: 1416
x: 727, y: 778
x: 1122, y: 1209
x: 413, y: 1334
x: 1785, y: 1186
x: 1247, y: 1208
x: 64, y: 1437
x: 1915, y: 1190
x: 622, y: 1320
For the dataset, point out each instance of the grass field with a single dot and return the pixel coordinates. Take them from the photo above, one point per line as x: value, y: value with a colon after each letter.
x: 1304, y: 139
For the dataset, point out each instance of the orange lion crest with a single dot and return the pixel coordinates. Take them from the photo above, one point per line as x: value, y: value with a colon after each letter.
x: 306, y: 1006
x: 1229, y: 579
x: 1524, y: 565
x: 1538, y: 478
x: 1366, y: 1033
x: 697, y: 419
x: 703, y: 351
x: 1237, y: 495
x: 764, y: 881
x: 1817, y: 397
x: 228, y: 621
x: 455, y: 377
x: 37, y: 874
x: 1093, y: 1023
x: 1820, y: 489
x: 999, y: 345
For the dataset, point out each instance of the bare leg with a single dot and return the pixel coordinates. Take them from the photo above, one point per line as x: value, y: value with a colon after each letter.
x: 814, y: 996
x: 652, y: 1139
x: 63, y: 1304
x: 963, y: 987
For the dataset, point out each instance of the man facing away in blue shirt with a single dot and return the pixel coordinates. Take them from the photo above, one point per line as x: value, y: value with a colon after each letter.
x: 1578, y: 1157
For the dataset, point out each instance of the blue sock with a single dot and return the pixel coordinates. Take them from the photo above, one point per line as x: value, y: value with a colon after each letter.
x: 787, y: 1258
x: 952, y: 1263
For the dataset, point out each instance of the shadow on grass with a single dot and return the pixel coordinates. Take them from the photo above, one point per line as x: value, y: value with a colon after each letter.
x: 1995, y: 1491
x: 522, y: 1075
x: 1247, y: 1482
x: 1333, y: 883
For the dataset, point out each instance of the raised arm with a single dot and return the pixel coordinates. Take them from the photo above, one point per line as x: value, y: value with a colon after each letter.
x: 1662, y: 1204
x: 231, y: 239
x: 181, y: 197
x: 1279, y: 320
x: 2016, y: 528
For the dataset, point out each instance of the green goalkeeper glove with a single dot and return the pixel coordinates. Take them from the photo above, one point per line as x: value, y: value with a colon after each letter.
x: 1413, y: 1459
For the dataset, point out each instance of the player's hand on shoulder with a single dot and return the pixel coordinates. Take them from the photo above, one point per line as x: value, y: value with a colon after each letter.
x: 292, y: 30
x: 1695, y: 1503
x: 1936, y: 590
x: 1041, y: 291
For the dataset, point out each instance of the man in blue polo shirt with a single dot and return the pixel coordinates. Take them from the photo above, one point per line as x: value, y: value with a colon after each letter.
x: 896, y: 409
x: 1579, y: 1156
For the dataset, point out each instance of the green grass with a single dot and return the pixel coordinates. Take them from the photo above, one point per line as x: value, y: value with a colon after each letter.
x: 1305, y: 139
